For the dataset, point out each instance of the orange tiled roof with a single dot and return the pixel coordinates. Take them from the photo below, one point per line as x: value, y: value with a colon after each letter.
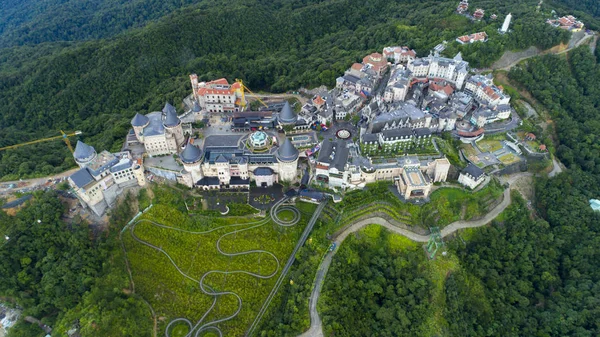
x: 222, y: 81
x: 318, y: 100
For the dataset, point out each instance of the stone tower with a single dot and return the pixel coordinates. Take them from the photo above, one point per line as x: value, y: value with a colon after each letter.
x: 287, y: 158
x: 84, y: 154
x: 191, y: 157
x: 173, y: 129
x: 139, y: 122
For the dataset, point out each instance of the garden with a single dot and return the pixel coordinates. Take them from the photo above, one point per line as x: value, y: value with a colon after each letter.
x: 240, y: 255
x: 489, y: 145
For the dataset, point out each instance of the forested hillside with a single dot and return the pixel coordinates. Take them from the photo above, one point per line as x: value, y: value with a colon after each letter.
x: 570, y: 90
x: 98, y: 85
x: 32, y: 22
x: 59, y: 273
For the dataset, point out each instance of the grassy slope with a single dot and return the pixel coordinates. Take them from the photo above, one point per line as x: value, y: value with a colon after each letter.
x: 173, y: 296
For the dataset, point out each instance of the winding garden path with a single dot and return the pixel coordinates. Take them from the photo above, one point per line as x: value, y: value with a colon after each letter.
x: 200, y: 326
x: 316, y: 326
x: 197, y: 329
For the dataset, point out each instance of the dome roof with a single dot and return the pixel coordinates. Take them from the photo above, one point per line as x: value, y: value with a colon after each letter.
x: 171, y: 118
x: 83, y: 152
x: 139, y: 120
x: 287, y: 115
x: 196, y: 107
x: 190, y: 154
x: 287, y: 151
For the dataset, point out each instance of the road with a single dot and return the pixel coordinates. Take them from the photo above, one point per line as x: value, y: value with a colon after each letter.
x: 556, y: 168
x: 33, y: 183
x: 316, y: 326
x: 532, y: 52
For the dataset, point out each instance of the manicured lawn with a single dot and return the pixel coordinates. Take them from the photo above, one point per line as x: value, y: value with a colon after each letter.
x: 508, y: 158
x: 489, y: 145
x: 173, y: 295
x: 286, y: 215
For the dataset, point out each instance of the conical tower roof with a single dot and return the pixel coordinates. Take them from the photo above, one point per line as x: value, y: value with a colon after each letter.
x: 168, y: 108
x: 287, y: 151
x: 171, y: 118
x: 196, y: 107
x: 83, y: 152
x: 139, y: 120
x: 287, y: 115
x: 191, y: 154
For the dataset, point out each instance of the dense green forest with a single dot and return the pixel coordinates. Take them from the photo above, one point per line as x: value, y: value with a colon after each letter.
x: 570, y: 90
x: 59, y: 273
x: 97, y: 85
x: 373, y: 286
x: 522, y: 276
x: 32, y: 22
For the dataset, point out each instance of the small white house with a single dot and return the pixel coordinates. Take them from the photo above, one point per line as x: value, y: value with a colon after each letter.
x: 471, y: 176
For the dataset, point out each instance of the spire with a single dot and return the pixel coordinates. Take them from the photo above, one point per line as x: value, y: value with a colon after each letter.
x: 168, y: 108
x: 287, y: 115
x: 287, y: 152
x: 171, y: 118
x: 139, y: 120
x: 196, y: 107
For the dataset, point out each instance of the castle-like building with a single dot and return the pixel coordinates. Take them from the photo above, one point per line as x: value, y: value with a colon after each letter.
x: 103, y: 176
x: 233, y: 161
x: 160, y: 132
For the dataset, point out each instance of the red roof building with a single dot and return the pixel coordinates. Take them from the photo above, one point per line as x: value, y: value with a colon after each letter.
x: 479, y: 13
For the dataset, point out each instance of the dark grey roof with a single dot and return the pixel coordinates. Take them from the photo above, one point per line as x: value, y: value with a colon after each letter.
x: 473, y: 171
x: 121, y: 165
x: 171, y: 118
x: 82, y: 177
x: 351, y: 78
x: 196, y: 107
x: 287, y: 115
x: 139, y: 120
x: 503, y: 107
x: 221, y: 141
x: 401, y: 132
x: 169, y: 108
x: 370, y: 137
x: 334, y: 153
x: 420, y: 132
x: 208, y: 181
x: 311, y: 194
x: 83, y: 152
x: 155, y: 127
x: 234, y: 181
x: 191, y: 154
x: 287, y: 151
x: 221, y: 159
x: 263, y: 171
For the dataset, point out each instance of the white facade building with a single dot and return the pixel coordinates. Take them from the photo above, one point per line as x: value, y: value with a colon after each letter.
x: 471, y: 176
x: 453, y: 70
x: 103, y: 176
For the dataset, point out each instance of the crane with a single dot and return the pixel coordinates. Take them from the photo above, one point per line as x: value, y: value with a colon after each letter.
x: 245, y: 88
x: 64, y: 136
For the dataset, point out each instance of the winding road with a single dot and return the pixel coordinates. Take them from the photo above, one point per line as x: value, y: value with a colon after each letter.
x: 316, y: 326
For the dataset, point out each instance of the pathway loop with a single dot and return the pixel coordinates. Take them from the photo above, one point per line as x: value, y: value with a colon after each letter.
x: 195, y: 330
